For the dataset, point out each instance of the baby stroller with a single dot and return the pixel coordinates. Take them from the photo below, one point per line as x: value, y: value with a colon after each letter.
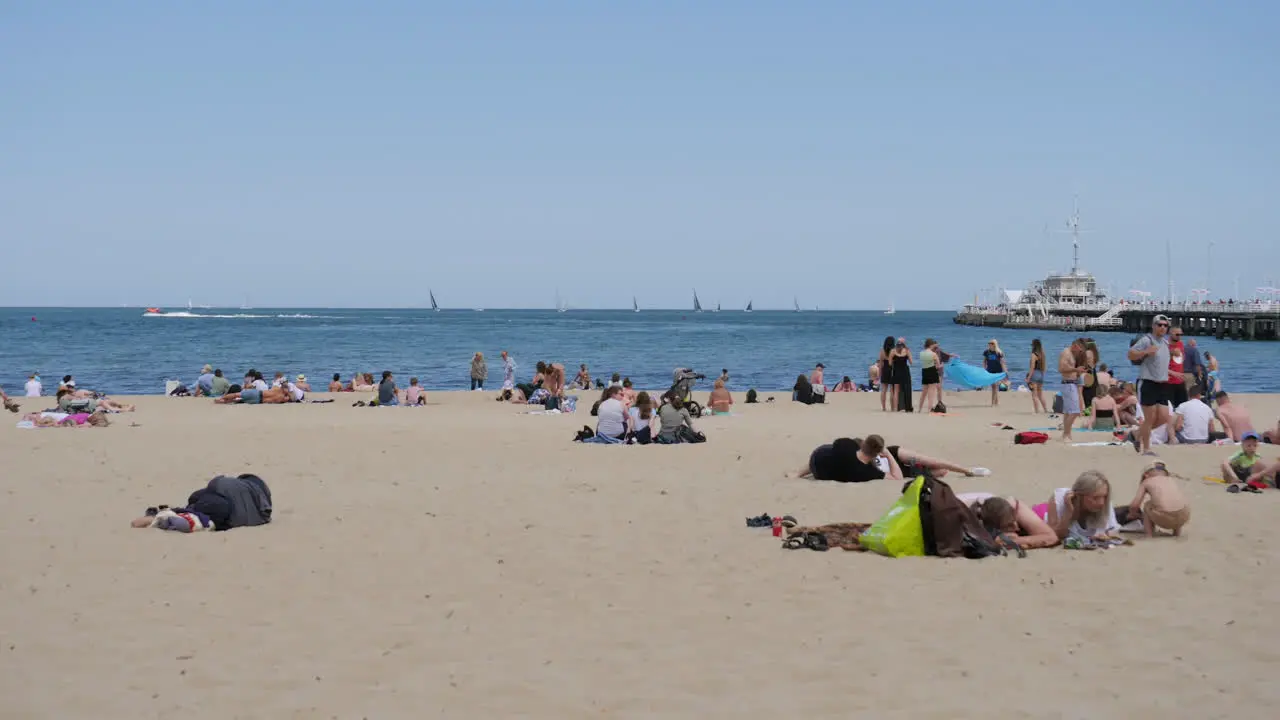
x: 683, y: 380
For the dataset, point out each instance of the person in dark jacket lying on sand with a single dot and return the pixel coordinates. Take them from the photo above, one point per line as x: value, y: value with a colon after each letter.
x: 225, y: 503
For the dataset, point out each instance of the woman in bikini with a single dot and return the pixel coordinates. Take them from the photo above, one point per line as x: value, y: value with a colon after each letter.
x: 720, y: 401
x: 1035, y: 378
x: 1104, y: 411
x: 1009, y: 516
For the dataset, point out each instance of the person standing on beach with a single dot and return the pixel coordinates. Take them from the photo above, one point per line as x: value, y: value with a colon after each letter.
x: 1070, y: 365
x: 1151, y: 354
x: 1035, y: 377
x: 884, y: 375
x: 479, y: 372
x: 1177, y: 362
x: 901, y: 360
x: 508, y: 372
x: 993, y: 358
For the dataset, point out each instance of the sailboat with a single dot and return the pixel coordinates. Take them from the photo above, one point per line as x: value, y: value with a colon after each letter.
x: 717, y: 308
x: 796, y: 302
x: 748, y: 307
x: 697, y: 306
x: 635, y: 306
x: 435, y: 307
x: 890, y: 310
x: 560, y: 304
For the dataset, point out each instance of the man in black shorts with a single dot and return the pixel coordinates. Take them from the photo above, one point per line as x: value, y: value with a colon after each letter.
x: 1151, y: 354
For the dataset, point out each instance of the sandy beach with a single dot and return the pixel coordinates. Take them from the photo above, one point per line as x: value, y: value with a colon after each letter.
x: 468, y: 560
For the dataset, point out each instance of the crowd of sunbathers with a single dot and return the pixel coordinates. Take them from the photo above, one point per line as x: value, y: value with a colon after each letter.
x: 75, y: 407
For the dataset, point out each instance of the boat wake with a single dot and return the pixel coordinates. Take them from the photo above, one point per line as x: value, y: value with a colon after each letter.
x: 236, y: 316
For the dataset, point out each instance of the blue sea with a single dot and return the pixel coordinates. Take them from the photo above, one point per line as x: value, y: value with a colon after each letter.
x: 117, y: 350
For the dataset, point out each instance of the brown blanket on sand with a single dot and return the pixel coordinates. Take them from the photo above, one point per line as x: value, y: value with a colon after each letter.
x: 841, y: 535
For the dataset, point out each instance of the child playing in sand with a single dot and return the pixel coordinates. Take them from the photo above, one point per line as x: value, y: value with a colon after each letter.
x: 1240, y: 466
x: 1166, y: 506
x: 413, y: 395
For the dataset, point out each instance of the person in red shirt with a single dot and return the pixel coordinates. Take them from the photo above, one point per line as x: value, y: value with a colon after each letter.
x: 1177, y: 383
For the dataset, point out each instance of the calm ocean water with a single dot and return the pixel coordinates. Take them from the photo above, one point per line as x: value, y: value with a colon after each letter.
x: 119, y: 351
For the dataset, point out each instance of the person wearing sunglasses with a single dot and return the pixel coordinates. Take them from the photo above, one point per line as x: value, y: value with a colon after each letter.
x: 1151, y: 354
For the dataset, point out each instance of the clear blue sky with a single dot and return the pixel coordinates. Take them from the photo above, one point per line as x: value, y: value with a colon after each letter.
x: 322, y: 153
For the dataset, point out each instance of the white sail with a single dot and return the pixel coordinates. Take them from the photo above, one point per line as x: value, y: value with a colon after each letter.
x: 635, y: 306
x: 796, y: 302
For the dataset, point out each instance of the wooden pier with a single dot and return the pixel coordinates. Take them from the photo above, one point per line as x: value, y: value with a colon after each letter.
x: 1238, y: 321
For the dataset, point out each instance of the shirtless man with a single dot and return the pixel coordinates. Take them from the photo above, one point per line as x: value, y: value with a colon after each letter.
x: 1070, y: 365
x: 271, y: 396
x: 1235, y: 419
x: 554, y: 379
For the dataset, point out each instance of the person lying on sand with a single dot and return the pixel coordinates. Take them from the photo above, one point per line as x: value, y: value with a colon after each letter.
x: 181, y: 520
x: 883, y: 459
x: 851, y: 460
x: 1011, y: 517
x: 68, y: 403
x: 1082, y: 509
x: 253, y: 396
x: 1166, y: 507
x: 845, y: 385
x: 61, y: 419
x: 225, y: 502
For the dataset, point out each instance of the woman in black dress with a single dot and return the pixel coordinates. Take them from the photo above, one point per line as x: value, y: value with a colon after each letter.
x: 900, y: 359
x: 886, y: 372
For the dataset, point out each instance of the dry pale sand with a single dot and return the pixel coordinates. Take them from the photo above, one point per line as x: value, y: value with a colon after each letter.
x: 466, y: 560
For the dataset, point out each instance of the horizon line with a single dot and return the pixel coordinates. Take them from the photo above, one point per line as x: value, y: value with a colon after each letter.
x: 183, y: 308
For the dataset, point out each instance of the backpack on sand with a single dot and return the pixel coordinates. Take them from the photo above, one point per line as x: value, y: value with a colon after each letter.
x: 951, y: 528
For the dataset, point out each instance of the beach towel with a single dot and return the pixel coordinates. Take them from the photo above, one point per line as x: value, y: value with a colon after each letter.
x: 842, y: 535
x: 971, y: 377
x: 1099, y: 443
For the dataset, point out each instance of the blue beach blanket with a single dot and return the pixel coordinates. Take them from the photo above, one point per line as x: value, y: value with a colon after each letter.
x: 971, y: 377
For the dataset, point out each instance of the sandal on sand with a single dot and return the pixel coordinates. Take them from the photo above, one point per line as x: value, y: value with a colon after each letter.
x: 795, y: 542
x: 760, y: 521
x: 1010, y: 544
x: 811, y: 540
x: 789, y: 521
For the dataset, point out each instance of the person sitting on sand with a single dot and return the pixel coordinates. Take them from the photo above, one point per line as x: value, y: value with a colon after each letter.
x: 673, y: 416
x: 554, y: 383
x: 612, y: 416
x: 582, y: 380
x: 278, y: 380
x: 642, y: 419
x: 873, y: 377
x: 387, y: 395
x: 845, y: 385
x: 203, y: 384
x: 1272, y: 437
x: 1011, y: 517
x: 1103, y: 416
x: 98, y: 418
x: 802, y: 392
x: 628, y: 396
x: 1166, y: 507
x: 220, y: 385
x: 254, y: 396
x: 850, y: 460
x: 1083, y: 509
x: 1245, y: 462
x: 363, y: 382
x: 301, y: 382
x: 1193, y: 421
x: 335, y: 385
x: 720, y: 401
x: 1235, y: 418
x: 1126, y: 405
x: 414, y: 394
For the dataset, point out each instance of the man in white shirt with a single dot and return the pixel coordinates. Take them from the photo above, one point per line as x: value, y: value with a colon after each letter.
x: 34, y: 388
x: 1193, y: 420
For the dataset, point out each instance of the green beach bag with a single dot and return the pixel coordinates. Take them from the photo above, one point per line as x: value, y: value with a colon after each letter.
x: 898, y: 533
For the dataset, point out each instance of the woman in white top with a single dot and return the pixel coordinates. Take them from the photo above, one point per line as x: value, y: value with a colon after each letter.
x: 642, y: 419
x: 1083, y: 509
x: 612, y: 415
x: 34, y: 388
